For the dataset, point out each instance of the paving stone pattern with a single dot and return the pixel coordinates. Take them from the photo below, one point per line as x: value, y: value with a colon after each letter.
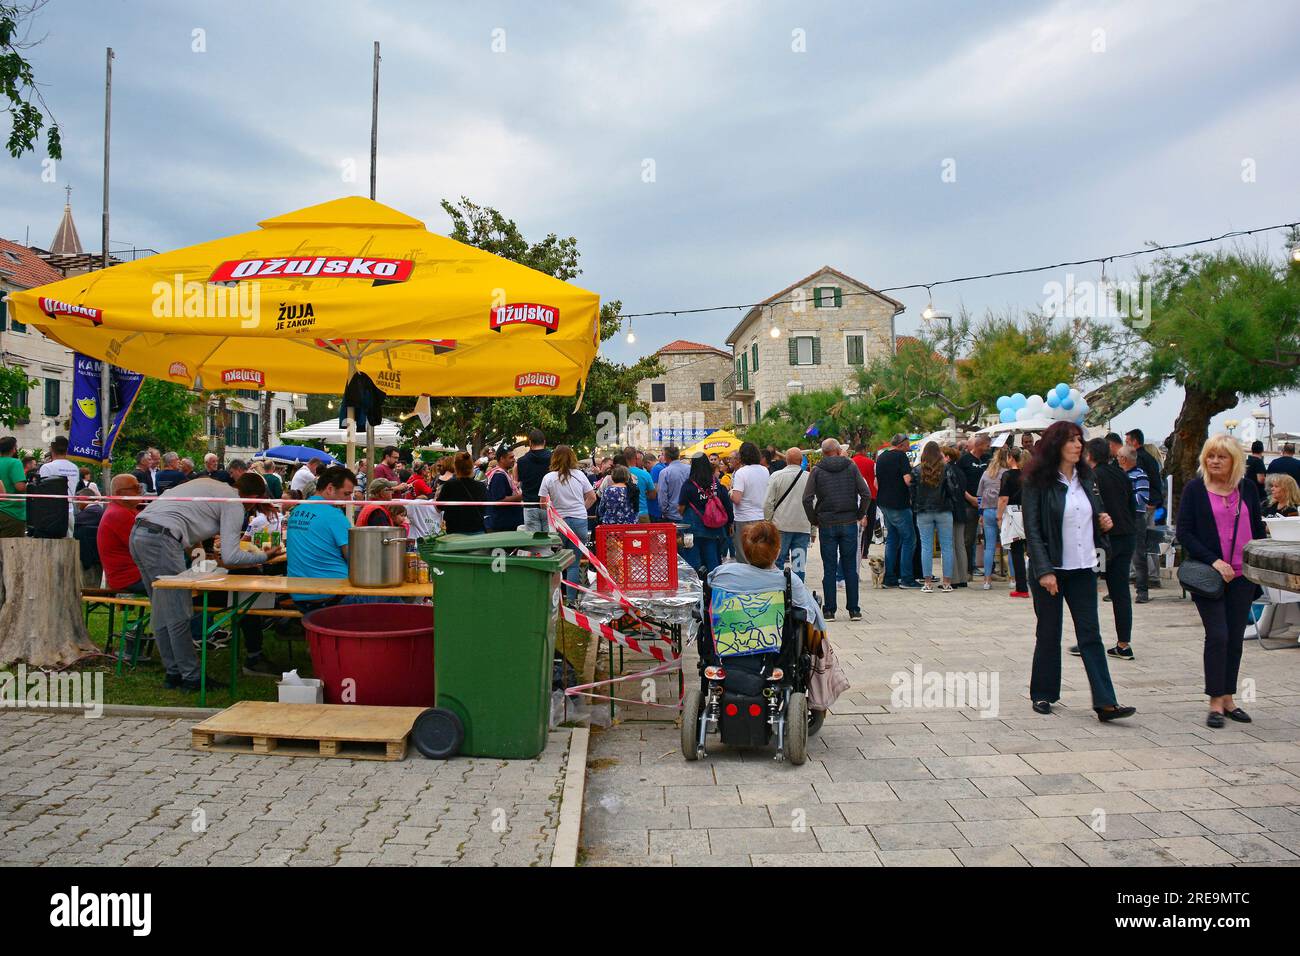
x: 888, y: 785
x: 129, y: 791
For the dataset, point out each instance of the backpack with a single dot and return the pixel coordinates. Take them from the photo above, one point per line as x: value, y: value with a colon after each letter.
x: 47, y: 517
x: 714, y: 514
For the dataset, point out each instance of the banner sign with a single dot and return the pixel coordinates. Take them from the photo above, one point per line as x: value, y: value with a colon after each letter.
x: 681, y: 436
x: 84, y: 439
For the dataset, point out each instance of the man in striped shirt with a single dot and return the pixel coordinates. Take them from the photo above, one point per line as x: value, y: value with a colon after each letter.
x: 1142, y: 495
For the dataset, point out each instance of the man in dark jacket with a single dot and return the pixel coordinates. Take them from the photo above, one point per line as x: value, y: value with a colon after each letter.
x: 530, y: 469
x: 1147, y: 462
x: 893, y: 477
x: 972, y: 463
x: 836, y: 499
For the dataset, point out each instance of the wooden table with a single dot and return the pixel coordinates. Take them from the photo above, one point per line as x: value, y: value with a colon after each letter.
x: 256, y: 585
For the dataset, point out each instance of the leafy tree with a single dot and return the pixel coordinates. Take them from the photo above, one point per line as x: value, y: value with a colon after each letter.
x: 18, y: 83
x: 1221, y: 325
x: 165, y: 415
x: 482, y: 422
x: 13, y: 383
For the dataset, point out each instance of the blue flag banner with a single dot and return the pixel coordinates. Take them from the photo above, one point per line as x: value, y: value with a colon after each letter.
x: 84, y: 443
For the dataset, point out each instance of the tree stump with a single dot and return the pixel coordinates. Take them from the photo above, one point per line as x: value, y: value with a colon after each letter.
x: 40, y: 603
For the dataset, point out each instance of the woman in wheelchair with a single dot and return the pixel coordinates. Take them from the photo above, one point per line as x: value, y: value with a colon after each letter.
x: 759, y: 628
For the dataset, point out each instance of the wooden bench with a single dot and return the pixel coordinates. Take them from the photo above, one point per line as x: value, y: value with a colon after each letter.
x: 110, y: 599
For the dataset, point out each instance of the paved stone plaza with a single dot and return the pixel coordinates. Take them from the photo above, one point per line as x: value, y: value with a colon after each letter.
x: 888, y: 785
x: 127, y: 791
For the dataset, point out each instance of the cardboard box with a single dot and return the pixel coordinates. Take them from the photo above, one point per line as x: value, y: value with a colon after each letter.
x: 310, y: 691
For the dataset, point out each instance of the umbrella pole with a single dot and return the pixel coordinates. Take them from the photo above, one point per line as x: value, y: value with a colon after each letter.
x: 352, y: 425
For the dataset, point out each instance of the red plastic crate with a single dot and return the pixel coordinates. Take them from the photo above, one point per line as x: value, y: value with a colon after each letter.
x: 640, y: 557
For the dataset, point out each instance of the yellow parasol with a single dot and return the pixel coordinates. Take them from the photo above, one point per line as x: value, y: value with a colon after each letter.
x: 719, y: 443
x: 314, y: 295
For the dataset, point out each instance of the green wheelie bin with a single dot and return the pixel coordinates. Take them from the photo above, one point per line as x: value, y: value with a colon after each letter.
x: 494, y: 619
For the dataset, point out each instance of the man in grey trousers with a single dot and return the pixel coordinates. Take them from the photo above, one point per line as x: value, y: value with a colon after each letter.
x: 164, y: 533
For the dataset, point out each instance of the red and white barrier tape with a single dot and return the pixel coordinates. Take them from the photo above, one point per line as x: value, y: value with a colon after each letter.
x: 584, y: 690
x: 580, y: 620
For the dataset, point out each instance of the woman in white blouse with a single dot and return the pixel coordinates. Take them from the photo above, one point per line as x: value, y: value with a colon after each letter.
x: 1065, y: 527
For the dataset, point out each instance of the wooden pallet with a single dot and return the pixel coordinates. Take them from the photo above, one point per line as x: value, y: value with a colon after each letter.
x: 308, y: 730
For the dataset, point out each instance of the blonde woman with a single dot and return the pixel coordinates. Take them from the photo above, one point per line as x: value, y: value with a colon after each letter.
x: 1217, y: 514
x: 1283, y: 496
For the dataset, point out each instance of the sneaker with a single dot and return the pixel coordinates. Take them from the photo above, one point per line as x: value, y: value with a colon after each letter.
x: 988, y: 585
x: 963, y: 584
x: 1020, y: 594
x: 1075, y: 651
x: 855, y: 615
x: 887, y: 586
x: 910, y: 585
x: 1142, y: 599
x: 945, y: 589
x: 1123, y: 653
x: 828, y: 615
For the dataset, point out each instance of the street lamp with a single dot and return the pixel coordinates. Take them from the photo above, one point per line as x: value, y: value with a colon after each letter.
x: 1231, y: 425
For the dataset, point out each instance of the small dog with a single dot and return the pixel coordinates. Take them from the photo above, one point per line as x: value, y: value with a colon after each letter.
x: 877, y: 572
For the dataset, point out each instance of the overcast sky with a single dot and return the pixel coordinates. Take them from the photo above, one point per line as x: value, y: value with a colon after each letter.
x: 1074, y: 129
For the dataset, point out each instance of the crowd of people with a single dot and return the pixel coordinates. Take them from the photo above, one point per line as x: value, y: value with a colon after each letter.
x: 1065, y: 513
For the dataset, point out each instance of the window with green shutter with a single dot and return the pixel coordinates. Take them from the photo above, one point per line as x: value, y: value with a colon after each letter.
x: 758, y: 409
x: 52, y: 397
x: 754, y: 352
x: 744, y: 371
x: 827, y: 297
x: 805, y: 350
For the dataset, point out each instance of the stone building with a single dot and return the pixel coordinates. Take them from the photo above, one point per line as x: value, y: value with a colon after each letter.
x: 813, y: 334
x: 686, y: 402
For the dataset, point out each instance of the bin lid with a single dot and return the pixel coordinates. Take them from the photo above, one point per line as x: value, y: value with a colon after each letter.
x: 505, y: 540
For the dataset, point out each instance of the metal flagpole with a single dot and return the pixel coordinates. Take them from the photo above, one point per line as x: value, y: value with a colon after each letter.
x: 105, y: 367
x: 374, y: 122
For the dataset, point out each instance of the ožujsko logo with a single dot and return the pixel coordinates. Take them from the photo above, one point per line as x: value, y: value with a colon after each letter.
x: 536, y: 380
x: 525, y: 313
x: 179, y: 370
x: 311, y: 267
x: 243, y: 376
x: 55, y: 307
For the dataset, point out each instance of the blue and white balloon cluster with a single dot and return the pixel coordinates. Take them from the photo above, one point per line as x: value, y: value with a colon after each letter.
x: 1062, y: 404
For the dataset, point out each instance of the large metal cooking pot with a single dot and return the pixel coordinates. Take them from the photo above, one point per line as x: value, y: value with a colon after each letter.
x: 376, y: 557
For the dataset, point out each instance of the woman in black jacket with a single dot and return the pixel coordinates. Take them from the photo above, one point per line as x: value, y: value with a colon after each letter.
x: 1217, y: 514
x: 1120, y: 503
x: 1065, y: 523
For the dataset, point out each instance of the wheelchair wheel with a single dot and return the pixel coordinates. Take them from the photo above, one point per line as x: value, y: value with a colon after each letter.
x: 691, y: 725
x: 796, y: 729
x: 815, y: 720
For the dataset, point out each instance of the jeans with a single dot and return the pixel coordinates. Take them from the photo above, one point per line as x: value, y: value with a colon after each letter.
x: 839, y: 545
x: 794, y: 545
x: 1121, y: 599
x: 990, y: 539
x: 535, y: 519
x: 899, y: 545
x: 1225, y: 626
x: 573, y: 573
x: 1078, y: 589
x: 930, y: 522
x: 707, y: 551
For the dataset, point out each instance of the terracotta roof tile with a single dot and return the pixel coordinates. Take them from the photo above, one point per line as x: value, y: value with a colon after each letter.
x: 22, y: 267
x: 682, y: 345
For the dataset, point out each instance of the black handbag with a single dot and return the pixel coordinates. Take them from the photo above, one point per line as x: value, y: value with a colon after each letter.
x: 1202, y: 579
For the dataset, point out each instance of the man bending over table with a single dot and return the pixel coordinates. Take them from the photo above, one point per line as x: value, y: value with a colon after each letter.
x: 163, y: 536
x: 318, y: 539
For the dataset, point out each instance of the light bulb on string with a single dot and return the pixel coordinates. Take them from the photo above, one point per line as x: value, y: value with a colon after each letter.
x: 631, y: 336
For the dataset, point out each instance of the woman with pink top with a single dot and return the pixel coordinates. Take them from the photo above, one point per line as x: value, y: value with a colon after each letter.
x: 1217, y: 514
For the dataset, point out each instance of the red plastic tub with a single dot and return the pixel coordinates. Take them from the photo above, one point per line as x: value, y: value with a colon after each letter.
x: 385, y: 650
